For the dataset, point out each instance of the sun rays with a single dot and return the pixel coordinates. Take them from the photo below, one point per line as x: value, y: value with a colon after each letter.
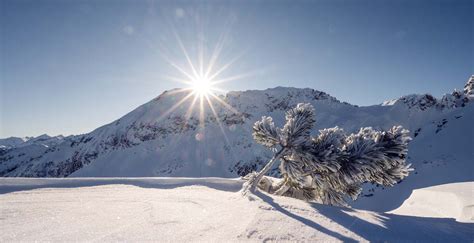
x: 202, y: 78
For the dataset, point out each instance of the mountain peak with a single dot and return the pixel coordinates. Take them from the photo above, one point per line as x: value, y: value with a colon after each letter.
x: 426, y: 101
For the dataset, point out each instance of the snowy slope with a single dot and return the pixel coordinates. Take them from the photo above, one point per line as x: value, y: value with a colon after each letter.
x: 184, y: 210
x: 454, y: 200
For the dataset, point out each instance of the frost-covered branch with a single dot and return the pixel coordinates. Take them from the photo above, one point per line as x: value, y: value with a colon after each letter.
x: 265, y: 132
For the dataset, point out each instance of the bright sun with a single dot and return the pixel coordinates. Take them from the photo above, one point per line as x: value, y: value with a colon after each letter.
x: 202, y: 80
x: 201, y: 85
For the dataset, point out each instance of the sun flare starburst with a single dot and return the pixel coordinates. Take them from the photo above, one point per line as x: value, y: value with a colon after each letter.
x: 202, y: 86
x: 202, y: 79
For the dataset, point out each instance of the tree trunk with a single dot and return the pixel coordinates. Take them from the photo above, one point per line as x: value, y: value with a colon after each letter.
x: 254, y: 183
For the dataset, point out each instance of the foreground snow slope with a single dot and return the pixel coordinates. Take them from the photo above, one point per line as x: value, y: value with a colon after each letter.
x: 205, y: 209
x: 454, y: 200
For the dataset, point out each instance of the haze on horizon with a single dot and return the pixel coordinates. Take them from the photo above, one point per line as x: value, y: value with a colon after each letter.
x: 70, y: 67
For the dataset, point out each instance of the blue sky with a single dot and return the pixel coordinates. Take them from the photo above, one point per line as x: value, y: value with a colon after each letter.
x: 68, y: 67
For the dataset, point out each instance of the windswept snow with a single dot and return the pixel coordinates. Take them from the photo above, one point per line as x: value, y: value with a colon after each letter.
x: 204, y: 209
x: 454, y: 200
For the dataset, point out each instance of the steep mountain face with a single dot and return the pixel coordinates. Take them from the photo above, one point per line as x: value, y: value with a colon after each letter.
x: 151, y: 141
x: 165, y: 137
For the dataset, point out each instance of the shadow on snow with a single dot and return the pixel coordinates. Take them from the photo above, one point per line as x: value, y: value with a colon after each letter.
x: 384, y: 226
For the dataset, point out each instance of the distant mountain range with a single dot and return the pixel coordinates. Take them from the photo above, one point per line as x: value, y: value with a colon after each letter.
x: 17, y: 142
x: 151, y: 141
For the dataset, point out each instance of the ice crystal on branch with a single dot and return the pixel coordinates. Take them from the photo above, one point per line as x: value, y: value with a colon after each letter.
x: 265, y: 132
x: 297, y: 129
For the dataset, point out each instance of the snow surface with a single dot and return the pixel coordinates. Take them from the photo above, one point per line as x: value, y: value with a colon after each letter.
x: 194, y: 209
x: 454, y: 200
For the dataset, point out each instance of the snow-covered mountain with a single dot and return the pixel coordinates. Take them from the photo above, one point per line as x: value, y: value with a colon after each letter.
x: 152, y: 141
x: 17, y: 142
x: 12, y: 142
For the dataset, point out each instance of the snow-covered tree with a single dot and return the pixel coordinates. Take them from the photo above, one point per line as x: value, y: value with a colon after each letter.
x: 332, y: 165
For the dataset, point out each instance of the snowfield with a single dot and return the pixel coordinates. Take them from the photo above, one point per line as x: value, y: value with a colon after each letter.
x: 213, y: 209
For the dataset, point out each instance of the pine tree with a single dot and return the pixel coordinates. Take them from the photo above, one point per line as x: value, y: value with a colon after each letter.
x: 328, y: 167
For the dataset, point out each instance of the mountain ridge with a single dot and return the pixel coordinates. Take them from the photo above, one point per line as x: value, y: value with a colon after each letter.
x: 153, y: 121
